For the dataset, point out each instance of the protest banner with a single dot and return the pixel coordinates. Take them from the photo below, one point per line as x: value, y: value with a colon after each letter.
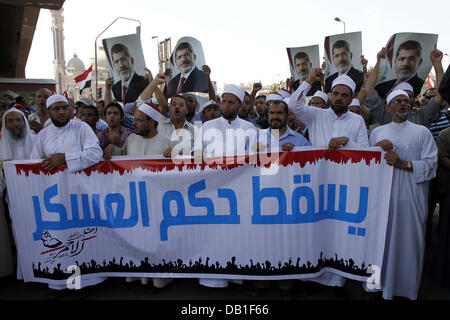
x: 133, y: 216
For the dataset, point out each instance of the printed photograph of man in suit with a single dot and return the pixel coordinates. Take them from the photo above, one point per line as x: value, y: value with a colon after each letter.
x: 407, y: 61
x: 303, y: 66
x: 190, y: 78
x: 342, y: 56
x: 131, y: 84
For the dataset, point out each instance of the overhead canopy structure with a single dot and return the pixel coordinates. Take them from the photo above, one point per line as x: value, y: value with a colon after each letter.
x: 18, y: 19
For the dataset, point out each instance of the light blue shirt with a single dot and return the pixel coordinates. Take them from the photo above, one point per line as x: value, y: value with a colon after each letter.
x: 265, y: 136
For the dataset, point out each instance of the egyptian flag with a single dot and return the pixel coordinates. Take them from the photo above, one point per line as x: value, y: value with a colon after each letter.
x: 84, y: 80
x: 430, y: 82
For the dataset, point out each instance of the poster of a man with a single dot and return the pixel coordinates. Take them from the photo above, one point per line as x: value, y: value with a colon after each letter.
x: 126, y: 64
x: 301, y: 61
x: 408, y: 59
x: 343, y: 56
x: 186, y: 65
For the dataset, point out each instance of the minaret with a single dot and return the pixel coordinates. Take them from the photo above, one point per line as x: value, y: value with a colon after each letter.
x: 59, y: 62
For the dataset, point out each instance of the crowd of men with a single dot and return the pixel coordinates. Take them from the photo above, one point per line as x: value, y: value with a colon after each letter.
x: 414, y: 132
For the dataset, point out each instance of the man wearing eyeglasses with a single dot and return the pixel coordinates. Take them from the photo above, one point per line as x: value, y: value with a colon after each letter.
x: 190, y: 78
x: 66, y: 141
x: 411, y: 150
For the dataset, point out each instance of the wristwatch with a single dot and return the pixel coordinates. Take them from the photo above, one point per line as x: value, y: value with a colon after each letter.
x: 409, y: 165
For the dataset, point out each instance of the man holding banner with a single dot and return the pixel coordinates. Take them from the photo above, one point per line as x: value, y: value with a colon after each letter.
x: 412, y: 152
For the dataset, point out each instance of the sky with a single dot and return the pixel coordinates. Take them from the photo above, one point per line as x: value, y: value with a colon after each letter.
x: 243, y: 41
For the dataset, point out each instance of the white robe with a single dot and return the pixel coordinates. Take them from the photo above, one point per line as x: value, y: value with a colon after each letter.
x: 13, y: 149
x: 405, y: 236
x: 220, y: 138
x: 76, y: 140
x: 324, y: 124
x: 82, y: 150
x: 136, y: 145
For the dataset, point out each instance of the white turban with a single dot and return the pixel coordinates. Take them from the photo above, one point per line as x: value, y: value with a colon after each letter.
x: 273, y: 97
x: 346, y: 81
x: 321, y: 95
x: 56, y: 98
x: 405, y: 86
x: 235, y: 90
x: 9, y: 146
x: 284, y: 93
x: 394, y: 94
x: 355, y: 102
x: 207, y: 104
x: 151, y: 110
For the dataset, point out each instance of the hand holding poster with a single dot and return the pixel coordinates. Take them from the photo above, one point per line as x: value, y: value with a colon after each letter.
x: 323, y: 211
x: 127, y: 66
x: 186, y: 64
x: 408, y: 59
x: 343, y: 56
x: 301, y: 62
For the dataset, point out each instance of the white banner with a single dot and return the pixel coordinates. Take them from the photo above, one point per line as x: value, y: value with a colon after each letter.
x: 317, y: 211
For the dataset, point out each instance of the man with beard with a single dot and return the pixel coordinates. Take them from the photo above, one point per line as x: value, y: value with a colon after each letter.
x: 16, y: 144
x: 424, y: 116
x: 411, y: 150
x: 218, y: 133
x: 278, y: 132
x: 146, y: 140
x: 342, y: 59
x: 66, y: 141
x: 131, y: 84
x: 303, y: 67
x: 190, y: 78
x: 40, y: 118
x: 407, y: 61
x: 333, y: 127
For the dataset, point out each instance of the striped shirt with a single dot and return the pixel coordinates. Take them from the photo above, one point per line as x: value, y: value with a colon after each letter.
x: 440, y: 124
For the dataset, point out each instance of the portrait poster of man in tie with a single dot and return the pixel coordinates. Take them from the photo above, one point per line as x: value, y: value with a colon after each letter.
x: 343, y: 56
x: 186, y: 68
x: 126, y: 64
x: 407, y: 60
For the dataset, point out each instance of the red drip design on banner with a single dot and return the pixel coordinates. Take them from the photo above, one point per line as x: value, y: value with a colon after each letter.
x: 227, y: 163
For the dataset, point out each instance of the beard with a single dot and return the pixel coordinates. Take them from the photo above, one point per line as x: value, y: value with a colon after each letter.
x: 404, y: 74
x: 402, y: 116
x: 186, y: 68
x: 125, y: 74
x: 60, y: 123
x: 339, y: 109
x: 230, y: 115
x: 303, y: 76
x: 143, y: 133
x: 17, y: 135
x: 342, y: 68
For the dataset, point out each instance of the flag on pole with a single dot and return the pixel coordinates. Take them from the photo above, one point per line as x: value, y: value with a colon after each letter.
x: 430, y: 82
x: 84, y: 80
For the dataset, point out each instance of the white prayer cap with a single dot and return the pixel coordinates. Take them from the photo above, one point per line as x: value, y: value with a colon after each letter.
x: 355, y: 102
x: 396, y: 93
x: 346, y: 81
x: 284, y: 93
x: 321, y: 95
x: 207, y: 104
x: 273, y: 97
x: 405, y: 86
x: 55, y: 98
x: 151, y: 110
x: 235, y: 90
x: 86, y: 101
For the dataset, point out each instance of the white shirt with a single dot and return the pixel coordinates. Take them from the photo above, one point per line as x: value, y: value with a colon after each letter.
x: 35, y: 117
x: 76, y: 140
x: 220, y: 138
x: 183, y: 139
x: 408, y: 210
x: 136, y: 145
x: 324, y: 124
